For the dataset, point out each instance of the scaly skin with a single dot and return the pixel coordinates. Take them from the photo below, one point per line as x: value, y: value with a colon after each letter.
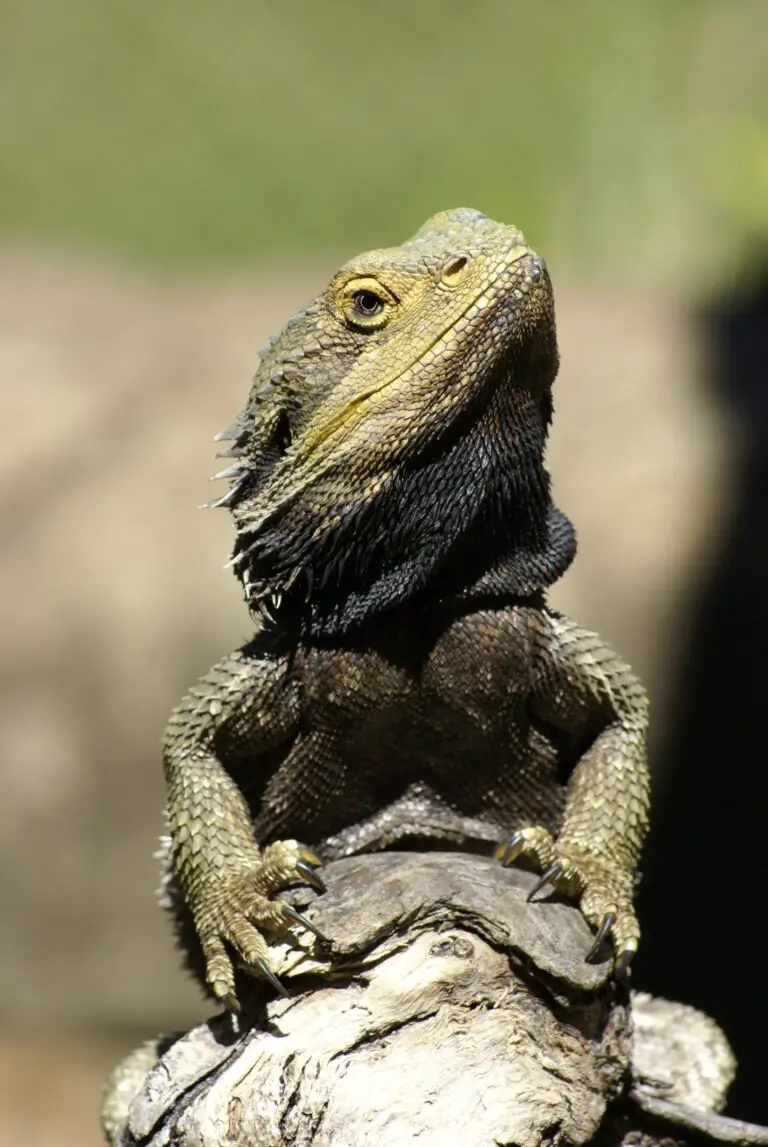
x: 394, y: 536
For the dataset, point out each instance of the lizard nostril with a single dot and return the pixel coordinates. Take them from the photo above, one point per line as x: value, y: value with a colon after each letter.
x: 453, y: 271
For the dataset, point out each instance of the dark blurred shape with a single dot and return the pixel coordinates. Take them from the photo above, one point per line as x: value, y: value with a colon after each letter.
x: 704, y: 896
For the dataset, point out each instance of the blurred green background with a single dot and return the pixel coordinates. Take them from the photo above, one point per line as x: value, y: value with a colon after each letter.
x: 629, y: 137
x: 176, y: 178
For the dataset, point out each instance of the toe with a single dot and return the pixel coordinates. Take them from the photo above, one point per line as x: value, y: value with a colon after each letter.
x: 220, y: 974
x: 247, y: 941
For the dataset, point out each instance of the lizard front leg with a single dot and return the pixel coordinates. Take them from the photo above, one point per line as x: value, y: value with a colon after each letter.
x: 242, y: 708
x: 578, y: 682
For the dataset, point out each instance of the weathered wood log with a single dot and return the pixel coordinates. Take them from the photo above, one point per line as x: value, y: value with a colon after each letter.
x: 446, y: 1010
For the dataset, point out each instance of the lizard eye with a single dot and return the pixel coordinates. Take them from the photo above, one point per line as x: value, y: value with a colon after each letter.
x: 368, y: 304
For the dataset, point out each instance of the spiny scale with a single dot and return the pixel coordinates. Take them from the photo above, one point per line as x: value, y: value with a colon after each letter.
x: 228, y: 433
x: 229, y: 497
x: 230, y: 472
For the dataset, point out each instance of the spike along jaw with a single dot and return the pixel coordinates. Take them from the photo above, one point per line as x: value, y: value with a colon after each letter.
x: 237, y: 473
x: 259, y: 435
x: 403, y: 410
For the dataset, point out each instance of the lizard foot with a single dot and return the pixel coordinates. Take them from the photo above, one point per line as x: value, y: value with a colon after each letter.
x: 604, y: 891
x: 234, y: 914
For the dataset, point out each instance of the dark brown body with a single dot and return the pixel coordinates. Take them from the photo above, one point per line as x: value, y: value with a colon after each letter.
x: 430, y: 730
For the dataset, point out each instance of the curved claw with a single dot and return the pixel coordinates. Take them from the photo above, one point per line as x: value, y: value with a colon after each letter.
x: 309, y: 876
x: 510, y: 850
x: 606, y: 924
x: 546, y: 877
x: 271, y: 978
x: 290, y: 913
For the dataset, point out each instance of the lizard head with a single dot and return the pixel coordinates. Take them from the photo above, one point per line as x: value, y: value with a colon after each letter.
x: 394, y: 436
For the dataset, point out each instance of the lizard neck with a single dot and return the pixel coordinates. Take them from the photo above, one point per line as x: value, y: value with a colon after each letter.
x: 514, y: 546
x: 469, y: 576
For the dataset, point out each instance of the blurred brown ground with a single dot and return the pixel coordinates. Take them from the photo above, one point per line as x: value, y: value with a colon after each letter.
x: 115, y: 599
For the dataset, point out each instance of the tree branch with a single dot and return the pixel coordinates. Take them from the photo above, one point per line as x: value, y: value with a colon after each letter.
x: 446, y: 1010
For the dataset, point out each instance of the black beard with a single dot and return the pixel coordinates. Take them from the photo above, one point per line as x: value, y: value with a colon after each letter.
x: 475, y: 520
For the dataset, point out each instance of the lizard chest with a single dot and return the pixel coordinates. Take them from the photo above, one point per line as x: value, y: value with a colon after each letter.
x: 401, y: 701
x: 434, y: 736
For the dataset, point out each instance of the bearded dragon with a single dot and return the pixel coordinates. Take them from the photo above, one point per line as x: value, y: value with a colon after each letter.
x: 407, y: 684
